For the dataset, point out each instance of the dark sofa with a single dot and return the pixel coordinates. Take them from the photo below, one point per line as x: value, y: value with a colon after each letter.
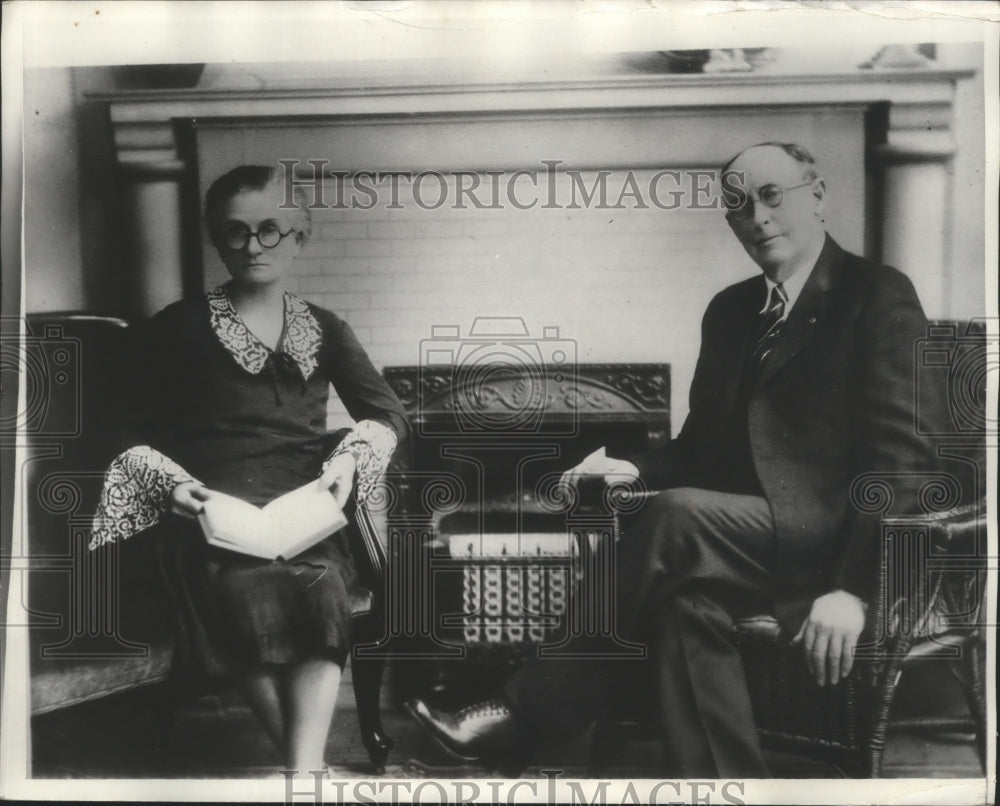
x: 99, y: 622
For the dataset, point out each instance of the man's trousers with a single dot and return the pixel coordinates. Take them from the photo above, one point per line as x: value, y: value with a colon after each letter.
x: 688, y: 563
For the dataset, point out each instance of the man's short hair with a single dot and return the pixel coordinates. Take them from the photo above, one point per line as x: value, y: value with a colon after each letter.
x: 798, y: 153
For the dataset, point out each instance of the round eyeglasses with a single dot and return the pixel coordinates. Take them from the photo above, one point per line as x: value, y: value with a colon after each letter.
x: 739, y: 203
x: 237, y: 236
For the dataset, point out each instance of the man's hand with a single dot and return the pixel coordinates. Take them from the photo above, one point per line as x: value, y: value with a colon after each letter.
x: 188, y: 499
x: 338, y: 477
x: 598, y: 464
x: 830, y: 634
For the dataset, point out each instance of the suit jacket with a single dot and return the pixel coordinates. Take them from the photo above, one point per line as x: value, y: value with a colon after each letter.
x: 834, y: 400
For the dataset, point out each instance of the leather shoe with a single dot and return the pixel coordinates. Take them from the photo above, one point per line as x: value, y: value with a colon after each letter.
x: 487, y: 733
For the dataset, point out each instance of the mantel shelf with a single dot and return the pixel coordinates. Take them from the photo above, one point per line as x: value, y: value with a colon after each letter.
x: 660, y: 91
x: 666, y: 80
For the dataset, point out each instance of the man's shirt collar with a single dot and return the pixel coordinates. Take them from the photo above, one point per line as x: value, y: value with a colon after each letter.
x: 793, y: 285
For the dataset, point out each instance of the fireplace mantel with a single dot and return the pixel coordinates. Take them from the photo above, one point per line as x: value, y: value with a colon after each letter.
x: 668, y: 89
x: 909, y: 140
x: 919, y: 121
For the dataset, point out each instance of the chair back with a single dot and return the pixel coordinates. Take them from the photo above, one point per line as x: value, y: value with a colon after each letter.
x: 952, y: 369
x: 94, y: 617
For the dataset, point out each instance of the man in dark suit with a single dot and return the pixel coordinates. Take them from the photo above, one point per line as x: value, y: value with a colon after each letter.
x: 803, y: 383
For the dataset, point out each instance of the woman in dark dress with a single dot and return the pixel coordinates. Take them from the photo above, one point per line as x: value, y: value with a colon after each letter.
x: 233, y: 389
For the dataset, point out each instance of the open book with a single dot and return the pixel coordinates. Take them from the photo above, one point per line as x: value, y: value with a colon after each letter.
x: 284, y: 528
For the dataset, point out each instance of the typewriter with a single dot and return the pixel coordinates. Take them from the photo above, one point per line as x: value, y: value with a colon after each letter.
x: 504, y: 546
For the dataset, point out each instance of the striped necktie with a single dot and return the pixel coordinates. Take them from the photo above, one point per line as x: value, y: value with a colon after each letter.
x: 770, y: 324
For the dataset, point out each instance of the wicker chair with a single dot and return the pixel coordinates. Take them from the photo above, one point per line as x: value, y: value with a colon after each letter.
x: 936, y: 610
x: 932, y: 612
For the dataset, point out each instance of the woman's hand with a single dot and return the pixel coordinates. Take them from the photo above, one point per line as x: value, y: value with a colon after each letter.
x: 338, y: 477
x: 188, y: 499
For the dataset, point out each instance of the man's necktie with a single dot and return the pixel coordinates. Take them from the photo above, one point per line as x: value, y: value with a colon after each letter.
x: 770, y: 325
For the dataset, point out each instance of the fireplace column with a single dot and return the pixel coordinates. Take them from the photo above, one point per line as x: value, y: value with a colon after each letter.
x: 917, y: 195
x: 150, y: 180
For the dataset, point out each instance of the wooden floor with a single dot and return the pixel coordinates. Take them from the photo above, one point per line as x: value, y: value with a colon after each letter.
x: 217, y: 737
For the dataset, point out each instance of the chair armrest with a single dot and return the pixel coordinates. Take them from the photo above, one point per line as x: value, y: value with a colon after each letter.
x: 363, y: 533
x: 759, y: 626
x: 958, y: 536
x: 622, y: 500
x: 957, y: 530
x: 373, y: 553
x: 332, y: 439
x: 935, y: 586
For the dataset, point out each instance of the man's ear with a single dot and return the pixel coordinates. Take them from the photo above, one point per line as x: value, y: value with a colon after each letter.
x: 819, y: 194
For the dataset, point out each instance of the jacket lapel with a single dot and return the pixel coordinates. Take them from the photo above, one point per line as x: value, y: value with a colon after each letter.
x: 740, y: 333
x: 807, y: 314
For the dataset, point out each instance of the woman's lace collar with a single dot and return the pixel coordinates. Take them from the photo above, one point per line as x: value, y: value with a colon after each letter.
x: 301, y: 340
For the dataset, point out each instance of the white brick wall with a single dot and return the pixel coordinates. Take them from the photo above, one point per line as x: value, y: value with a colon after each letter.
x: 625, y: 284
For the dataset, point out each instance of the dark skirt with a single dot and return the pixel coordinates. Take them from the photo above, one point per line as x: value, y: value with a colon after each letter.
x: 236, y: 613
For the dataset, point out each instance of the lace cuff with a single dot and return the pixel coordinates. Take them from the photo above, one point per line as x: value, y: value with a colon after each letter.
x: 135, y: 495
x: 371, y: 444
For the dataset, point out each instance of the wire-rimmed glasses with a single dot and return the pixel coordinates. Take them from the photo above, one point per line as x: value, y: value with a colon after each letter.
x: 237, y: 236
x: 739, y: 203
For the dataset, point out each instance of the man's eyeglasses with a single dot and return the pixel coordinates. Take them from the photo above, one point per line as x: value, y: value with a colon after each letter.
x: 739, y: 202
x: 237, y: 236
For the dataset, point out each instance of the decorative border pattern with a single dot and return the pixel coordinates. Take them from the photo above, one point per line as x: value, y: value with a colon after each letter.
x: 136, y: 493
x: 371, y: 444
x: 598, y: 389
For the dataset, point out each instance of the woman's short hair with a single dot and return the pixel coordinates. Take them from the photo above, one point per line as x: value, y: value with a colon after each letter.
x: 249, y: 178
